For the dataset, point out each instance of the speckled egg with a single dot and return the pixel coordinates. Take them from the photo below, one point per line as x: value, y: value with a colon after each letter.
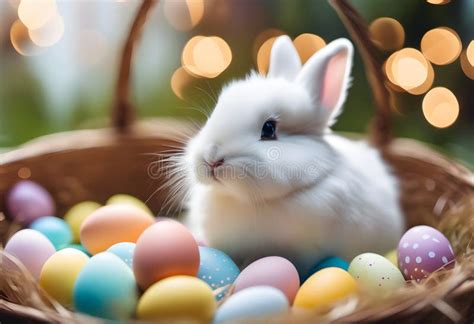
x: 271, y: 271
x: 324, y: 288
x: 423, y: 250
x: 216, y: 268
x: 129, y: 200
x: 124, y: 251
x: 375, y: 274
x: 178, y: 297
x: 55, y: 229
x: 59, y: 274
x: 27, y: 201
x: 106, y: 288
x: 165, y: 249
x: 77, y: 214
x: 113, y: 224
x: 30, y: 247
x: 252, y: 303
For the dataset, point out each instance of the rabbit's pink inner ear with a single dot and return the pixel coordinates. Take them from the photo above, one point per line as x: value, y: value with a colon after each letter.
x: 334, y: 81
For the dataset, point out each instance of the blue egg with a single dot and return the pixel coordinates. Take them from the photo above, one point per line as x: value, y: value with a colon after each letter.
x: 106, y: 288
x: 217, y: 269
x: 327, y: 262
x: 55, y: 229
x: 124, y: 251
x: 251, y: 303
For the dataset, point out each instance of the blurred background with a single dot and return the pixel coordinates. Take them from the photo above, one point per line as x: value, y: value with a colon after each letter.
x: 59, y: 59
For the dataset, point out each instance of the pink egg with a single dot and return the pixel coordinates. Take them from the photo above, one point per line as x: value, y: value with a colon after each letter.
x: 271, y: 271
x: 30, y: 247
x: 423, y: 250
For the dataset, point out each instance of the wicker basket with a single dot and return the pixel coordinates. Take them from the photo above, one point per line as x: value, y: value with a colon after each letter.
x: 94, y: 164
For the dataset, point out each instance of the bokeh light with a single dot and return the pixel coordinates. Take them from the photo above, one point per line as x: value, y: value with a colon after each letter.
x: 180, y: 81
x: 21, y: 41
x: 36, y: 13
x: 409, y: 69
x: 438, y: 2
x: 441, y: 45
x: 206, y: 56
x: 263, y: 37
x: 50, y: 33
x: 470, y: 52
x: 263, y: 56
x: 426, y: 85
x: 307, y: 45
x: 440, y: 107
x: 184, y: 15
x: 387, y: 34
x: 466, y: 65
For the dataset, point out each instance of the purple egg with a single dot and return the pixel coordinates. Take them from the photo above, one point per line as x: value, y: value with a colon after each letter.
x: 28, y: 201
x: 423, y: 250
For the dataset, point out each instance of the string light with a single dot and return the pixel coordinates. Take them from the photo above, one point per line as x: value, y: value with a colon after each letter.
x: 184, y: 15
x: 307, y: 45
x: 441, y: 45
x: 440, y: 107
x: 36, y: 13
x: 387, y: 34
x: 50, y: 33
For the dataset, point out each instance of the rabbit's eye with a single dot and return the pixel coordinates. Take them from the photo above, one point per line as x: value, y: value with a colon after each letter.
x: 269, y: 130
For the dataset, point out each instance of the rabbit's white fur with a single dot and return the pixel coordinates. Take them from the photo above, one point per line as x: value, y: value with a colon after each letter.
x: 307, y: 194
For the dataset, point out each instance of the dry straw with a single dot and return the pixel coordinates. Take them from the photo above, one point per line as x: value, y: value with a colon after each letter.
x: 95, y: 164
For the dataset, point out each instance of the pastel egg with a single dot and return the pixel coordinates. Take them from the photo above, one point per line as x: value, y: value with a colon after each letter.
x: 59, y: 274
x: 165, y: 249
x: 30, y: 247
x: 129, y: 200
x: 216, y: 268
x: 270, y: 271
x: 27, y: 201
x: 423, y: 250
x: 77, y: 214
x: 182, y: 297
x: 376, y: 274
x: 252, y: 303
x: 392, y: 257
x: 324, y: 288
x: 329, y: 262
x: 113, y: 224
x: 55, y: 229
x: 106, y: 288
x: 124, y: 251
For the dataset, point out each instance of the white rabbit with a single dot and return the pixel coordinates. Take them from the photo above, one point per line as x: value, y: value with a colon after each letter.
x: 267, y: 176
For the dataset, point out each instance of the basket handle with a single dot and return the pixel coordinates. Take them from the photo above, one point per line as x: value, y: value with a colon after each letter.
x: 123, y: 112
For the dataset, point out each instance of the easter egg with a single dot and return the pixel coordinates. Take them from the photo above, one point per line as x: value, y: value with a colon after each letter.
x: 78, y: 247
x: 129, y: 200
x: 55, y: 229
x: 77, y: 214
x: 324, y: 288
x: 113, y: 224
x: 392, y: 257
x: 124, y: 251
x: 106, y: 288
x: 181, y: 297
x: 30, y: 247
x: 328, y: 262
x: 423, y: 250
x: 271, y: 271
x: 27, y: 201
x: 216, y: 268
x: 59, y: 274
x: 252, y: 303
x: 376, y: 274
x: 165, y: 249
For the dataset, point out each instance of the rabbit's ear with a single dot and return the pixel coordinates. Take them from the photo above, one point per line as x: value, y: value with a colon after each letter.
x: 284, y: 59
x: 327, y: 76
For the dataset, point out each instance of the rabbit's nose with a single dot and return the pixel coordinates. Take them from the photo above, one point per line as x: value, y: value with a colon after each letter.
x: 215, y: 164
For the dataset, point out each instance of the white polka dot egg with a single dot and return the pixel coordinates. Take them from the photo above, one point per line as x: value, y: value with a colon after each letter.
x: 423, y: 250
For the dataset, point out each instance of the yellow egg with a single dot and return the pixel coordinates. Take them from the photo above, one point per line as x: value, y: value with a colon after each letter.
x: 392, y: 257
x: 59, y: 274
x: 128, y: 200
x: 182, y: 297
x: 76, y: 216
x: 324, y: 288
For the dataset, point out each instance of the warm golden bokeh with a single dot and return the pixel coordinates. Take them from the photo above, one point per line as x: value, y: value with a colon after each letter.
x: 426, y: 85
x: 307, y: 45
x: 470, y: 52
x: 387, y: 34
x: 50, y: 33
x: 441, y: 45
x: 24, y: 173
x: 407, y: 68
x: 263, y: 37
x: 183, y: 15
x: 21, y: 41
x: 206, y: 56
x: 36, y: 13
x: 440, y: 107
x: 180, y: 80
x: 263, y: 56
x: 438, y: 2
x: 466, y: 66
